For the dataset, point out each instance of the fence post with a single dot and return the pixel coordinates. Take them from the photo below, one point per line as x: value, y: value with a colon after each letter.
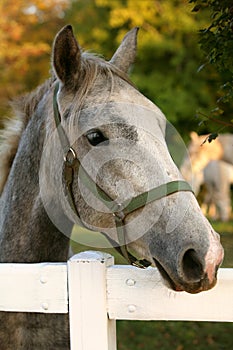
x: 90, y: 327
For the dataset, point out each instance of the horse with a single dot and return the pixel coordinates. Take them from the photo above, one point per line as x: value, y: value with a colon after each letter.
x: 217, y: 176
x: 210, y: 163
x: 200, y: 151
x: 87, y: 147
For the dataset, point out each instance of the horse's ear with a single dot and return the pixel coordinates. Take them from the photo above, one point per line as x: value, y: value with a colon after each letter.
x: 125, y: 55
x: 66, y: 56
x: 193, y: 135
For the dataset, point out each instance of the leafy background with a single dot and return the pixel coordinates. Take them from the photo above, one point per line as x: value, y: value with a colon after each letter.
x: 170, y: 69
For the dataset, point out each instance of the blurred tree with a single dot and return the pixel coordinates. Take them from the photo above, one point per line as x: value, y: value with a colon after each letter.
x: 216, y: 40
x: 90, y: 21
x: 168, y: 57
x: 26, y: 31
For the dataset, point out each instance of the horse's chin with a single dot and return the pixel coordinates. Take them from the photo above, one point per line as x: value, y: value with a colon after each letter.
x: 192, y: 288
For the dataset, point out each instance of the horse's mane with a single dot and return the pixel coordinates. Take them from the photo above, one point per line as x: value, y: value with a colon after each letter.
x: 23, y: 108
x: 25, y: 105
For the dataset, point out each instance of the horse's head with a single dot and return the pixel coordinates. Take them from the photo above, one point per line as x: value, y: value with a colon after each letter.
x: 118, y: 136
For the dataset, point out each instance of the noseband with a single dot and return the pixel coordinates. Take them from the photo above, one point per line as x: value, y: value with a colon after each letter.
x: 119, y: 211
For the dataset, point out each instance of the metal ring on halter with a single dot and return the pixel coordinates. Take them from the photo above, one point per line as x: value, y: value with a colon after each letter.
x: 119, y: 212
x: 72, y: 151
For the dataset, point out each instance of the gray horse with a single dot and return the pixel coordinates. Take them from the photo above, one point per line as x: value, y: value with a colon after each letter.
x: 90, y: 113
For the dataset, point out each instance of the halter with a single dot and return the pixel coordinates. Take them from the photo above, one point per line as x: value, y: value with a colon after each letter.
x: 119, y: 211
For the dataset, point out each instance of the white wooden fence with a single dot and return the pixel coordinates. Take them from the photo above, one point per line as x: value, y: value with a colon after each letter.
x: 97, y: 293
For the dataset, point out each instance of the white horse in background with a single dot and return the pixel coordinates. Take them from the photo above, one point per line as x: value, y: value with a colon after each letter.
x: 211, y: 164
x: 217, y: 177
x: 201, y: 151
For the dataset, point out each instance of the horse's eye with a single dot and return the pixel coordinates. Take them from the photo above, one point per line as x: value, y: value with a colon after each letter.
x: 96, y: 137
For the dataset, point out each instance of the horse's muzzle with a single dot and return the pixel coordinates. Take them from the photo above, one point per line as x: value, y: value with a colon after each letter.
x: 193, y: 271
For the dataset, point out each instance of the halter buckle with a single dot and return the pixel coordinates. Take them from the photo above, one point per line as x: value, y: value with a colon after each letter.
x: 70, y: 156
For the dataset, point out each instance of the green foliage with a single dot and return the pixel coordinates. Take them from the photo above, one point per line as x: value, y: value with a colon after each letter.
x: 138, y: 335
x: 216, y: 40
x: 166, y: 69
x: 26, y: 33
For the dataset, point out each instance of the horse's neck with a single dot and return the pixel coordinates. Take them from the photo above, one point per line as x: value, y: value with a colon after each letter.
x: 26, y: 232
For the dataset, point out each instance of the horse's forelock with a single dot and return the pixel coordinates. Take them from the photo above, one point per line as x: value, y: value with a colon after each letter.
x: 98, y: 76
x: 94, y: 66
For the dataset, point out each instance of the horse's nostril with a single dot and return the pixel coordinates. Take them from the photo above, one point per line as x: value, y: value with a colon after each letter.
x: 191, y: 266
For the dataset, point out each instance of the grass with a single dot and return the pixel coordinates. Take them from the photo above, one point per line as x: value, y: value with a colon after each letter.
x: 137, y: 335
x: 162, y: 335
x: 226, y: 231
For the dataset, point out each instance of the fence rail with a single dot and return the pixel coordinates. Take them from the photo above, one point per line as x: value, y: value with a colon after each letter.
x: 96, y: 293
